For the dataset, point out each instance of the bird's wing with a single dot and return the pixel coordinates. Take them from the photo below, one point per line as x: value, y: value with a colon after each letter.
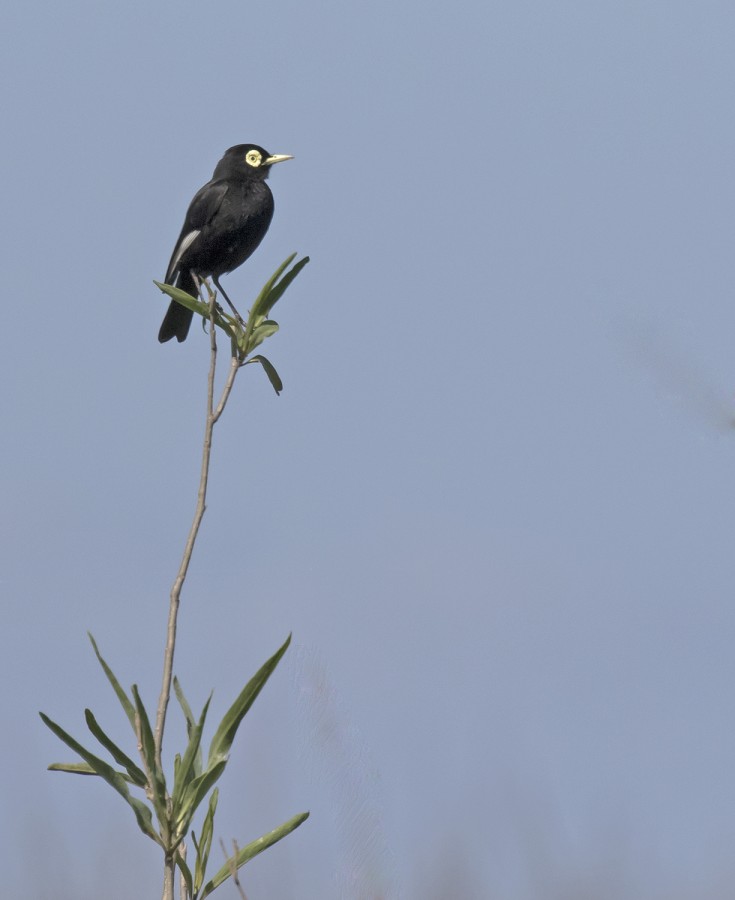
x: 202, y: 210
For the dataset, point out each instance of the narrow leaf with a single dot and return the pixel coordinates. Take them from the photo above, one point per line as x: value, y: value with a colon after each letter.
x: 73, y: 768
x: 205, y: 842
x: 195, y: 792
x: 190, y: 723
x: 259, y: 334
x: 196, y: 306
x: 279, y: 289
x: 84, y: 769
x: 121, y: 695
x: 270, y: 371
x: 115, y: 779
x: 185, y: 871
x: 222, y: 741
x: 260, y: 306
x: 121, y: 758
x: 148, y: 752
x: 253, y: 849
x: 187, y: 770
x: 184, y: 298
x: 183, y: 703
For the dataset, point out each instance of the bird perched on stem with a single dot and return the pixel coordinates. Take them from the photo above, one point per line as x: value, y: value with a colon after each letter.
x: 224, y: 224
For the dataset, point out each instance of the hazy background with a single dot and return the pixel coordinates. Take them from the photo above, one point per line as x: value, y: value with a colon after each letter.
x: 495, y: 502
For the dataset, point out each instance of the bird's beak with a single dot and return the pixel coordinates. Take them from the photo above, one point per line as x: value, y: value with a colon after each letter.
x: 277, y: 157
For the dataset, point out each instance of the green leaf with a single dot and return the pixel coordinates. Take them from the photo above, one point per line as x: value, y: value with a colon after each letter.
x: 116, y: 780
x: 261, y: 307
x: 253, y: 849
x: 195, y: 792
x: 205, y: 842
x: 121, y: 758
x: 184, y: 298
x: 190, y: 722
x: 278, y: 290
x: 222, y: 741
x: 183, y: 703
x: 177, y: 768
x: 187, y: 770
x: 148, y: 752
x: 73, y: 768
x: 185, y: 871
x: 197, y: 306
x: 84, y: 769
x: 265, y: 300
x: 259, y: 334
x: 121, y: 695
x: 270, y: 371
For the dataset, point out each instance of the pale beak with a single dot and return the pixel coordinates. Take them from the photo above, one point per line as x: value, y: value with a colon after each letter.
x: 277, y: 157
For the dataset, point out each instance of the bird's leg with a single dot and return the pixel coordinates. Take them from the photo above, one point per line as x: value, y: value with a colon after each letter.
x: 229, y: 302
x: 200, y: 283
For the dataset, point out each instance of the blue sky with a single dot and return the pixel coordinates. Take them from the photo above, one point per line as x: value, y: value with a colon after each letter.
x: 495, y: 501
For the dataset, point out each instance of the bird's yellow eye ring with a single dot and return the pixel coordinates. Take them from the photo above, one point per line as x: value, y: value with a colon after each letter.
x: 253, y: 158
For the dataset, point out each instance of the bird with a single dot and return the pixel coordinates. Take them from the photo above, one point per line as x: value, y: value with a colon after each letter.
x: 225, y: 223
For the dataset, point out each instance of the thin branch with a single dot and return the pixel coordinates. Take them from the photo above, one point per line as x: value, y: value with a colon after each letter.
x: 175, y: 596
x: 232, y: 865
x: 212, y: 416
x: 226, y: 391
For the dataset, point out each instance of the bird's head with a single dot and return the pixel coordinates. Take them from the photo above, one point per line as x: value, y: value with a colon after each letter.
x: 248, y: 161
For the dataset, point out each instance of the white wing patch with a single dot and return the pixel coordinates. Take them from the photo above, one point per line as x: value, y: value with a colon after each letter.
x: 186, y: 242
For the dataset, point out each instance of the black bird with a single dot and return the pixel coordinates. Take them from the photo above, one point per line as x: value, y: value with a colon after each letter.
x: 224, y: 224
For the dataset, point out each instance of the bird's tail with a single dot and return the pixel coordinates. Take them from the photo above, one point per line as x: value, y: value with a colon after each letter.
x: 177, y: 321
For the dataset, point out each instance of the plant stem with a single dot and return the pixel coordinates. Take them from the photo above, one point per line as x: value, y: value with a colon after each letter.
x: 211, y: 418
x: 169, y: 873
x: 175, y: 597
